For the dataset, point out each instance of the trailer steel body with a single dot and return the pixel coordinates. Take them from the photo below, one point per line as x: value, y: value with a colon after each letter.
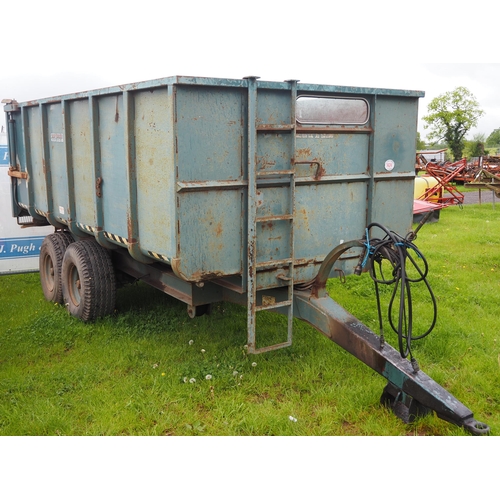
x: 217, y: 189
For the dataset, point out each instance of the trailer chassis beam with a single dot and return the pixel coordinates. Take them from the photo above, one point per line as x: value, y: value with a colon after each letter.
x: 409, y: 392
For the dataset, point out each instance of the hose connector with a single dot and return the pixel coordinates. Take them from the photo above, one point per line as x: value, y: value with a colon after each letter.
x: 359, y: 267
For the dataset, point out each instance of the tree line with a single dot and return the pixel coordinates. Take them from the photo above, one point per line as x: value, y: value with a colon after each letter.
x: 450, y: 117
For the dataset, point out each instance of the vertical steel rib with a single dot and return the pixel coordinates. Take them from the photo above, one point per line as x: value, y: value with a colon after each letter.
x: 370, y: 192
x: 293, y: 102
x: 251, y: 210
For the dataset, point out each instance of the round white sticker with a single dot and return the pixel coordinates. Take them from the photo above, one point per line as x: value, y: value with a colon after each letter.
x: 389, y: 165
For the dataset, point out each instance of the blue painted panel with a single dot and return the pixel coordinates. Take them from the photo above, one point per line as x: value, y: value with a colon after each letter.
x: 273, y: 151
x: 338, y: 154
x: 83, y: 165
x: 210, y: 233
x: 57, y: 161
x: 394, y: 146
x: 274, y: 107
x: 184, y: 145
x: 395, y: 133
x: 210, y: 134
x: 393, y: 207
x: 113, y: 165
x: 35, y: 151
x: 155, y: 167
x: 327, y: 213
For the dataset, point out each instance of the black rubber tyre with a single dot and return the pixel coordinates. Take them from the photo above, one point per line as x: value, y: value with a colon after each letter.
x: 88, y: 280
x: 51, y: 256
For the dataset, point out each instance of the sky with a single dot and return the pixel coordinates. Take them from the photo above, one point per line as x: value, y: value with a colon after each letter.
x: 52, y: 49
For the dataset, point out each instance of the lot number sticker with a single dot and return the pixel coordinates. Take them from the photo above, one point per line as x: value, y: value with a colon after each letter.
x: 389, y: 165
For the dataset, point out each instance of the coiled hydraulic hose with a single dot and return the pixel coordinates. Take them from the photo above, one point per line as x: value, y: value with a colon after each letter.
x: 400, y: 252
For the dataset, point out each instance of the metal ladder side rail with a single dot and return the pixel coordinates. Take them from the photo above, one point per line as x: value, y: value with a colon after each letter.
x: 253, y: 221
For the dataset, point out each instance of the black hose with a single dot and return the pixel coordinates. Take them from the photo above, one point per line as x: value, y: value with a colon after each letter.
x: 400, y: 253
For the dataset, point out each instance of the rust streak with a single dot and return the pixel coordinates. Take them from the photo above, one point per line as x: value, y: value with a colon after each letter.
x: 206, y: 276
x: 130, y: 229
x: 304, y: 152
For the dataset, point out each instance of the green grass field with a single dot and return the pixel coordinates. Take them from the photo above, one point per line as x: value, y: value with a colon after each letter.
x: 151, y: 370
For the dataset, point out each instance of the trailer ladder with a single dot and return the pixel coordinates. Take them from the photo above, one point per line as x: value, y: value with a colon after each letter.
x: 266, y: 301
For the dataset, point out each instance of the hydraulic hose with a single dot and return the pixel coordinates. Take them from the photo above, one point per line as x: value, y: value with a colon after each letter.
x: 401, y: 253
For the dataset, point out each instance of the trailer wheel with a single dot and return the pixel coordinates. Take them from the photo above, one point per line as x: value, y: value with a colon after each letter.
x: 88, y: 280
x: 50, y: 263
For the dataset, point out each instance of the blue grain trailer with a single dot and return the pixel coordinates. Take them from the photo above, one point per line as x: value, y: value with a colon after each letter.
x: 213, y: 190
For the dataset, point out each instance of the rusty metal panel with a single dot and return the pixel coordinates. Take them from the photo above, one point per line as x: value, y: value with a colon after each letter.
x: 209, y: 133
x: 390, y: 205
x: 155, y: 170
x: 161, y: 167
x: 395, y: 130
x: 328, y: 213
x: 82, y: 164
x: 209, y: 160
x: 320, y: 155
x: 114, y: 196
x: 209, y: 234
x: 34, y: 150
x: 18, y: 160
x: 55, y: 159
x: 332, y: 191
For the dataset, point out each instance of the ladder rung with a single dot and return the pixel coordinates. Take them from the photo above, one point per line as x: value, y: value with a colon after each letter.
x: 265, y: 173
x: 254, y: 350
x: 276, y: 305
x: 268, y: 218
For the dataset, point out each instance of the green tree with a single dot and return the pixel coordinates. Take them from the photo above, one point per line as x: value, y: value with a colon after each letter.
x: 494, y: 138
x: 451, y: 116
x: 475, y: 148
